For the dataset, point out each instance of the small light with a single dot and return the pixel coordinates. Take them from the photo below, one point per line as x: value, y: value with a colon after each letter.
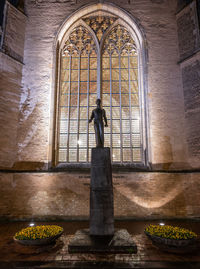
x: 31, y: 224
x: 113, y: 155
x: 161, y: 224
x: 79, y: 142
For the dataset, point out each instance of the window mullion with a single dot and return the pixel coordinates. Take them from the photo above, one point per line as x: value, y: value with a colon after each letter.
x: 68, y: 112
x: 78, y: 106
x: 110, y: 59
x: 130, y: 114
x: 99, y: 75
x: 88, y: 84
x: 59, y: 109
x: 120, y: 98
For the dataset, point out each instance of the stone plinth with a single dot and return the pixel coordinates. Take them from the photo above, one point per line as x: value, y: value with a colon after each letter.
x: 120, y: 242
x: 101, y: 193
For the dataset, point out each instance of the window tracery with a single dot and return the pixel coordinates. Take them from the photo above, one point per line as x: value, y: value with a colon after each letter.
x: 119, y: 92
x: 99, y: 24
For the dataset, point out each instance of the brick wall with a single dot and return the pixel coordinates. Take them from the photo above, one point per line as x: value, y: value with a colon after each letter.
x: 10, y: 79
x: 66, y: 195
x: 189, y: 45
x: 191, y: 87
x: 11, y: 57
x: 188, y: 32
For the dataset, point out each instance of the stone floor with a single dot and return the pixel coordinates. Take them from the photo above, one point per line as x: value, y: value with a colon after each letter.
x: 13, y: 255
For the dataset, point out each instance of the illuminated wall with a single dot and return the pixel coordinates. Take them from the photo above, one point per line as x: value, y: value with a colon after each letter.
x: 167, y: 93
x: 162, y: 97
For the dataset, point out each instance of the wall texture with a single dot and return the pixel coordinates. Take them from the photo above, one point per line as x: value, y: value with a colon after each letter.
x: 66, y: 195
x: 189, y: 46
x: 165, y: 104
x: 28, y: 108
x: 11, y: 57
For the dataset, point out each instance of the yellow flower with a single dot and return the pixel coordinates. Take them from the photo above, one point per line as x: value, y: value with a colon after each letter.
x: 38, y: 232
x: 170, y: 232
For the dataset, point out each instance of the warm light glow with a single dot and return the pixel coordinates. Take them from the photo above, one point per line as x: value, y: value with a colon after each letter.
x: 79, y: 142
x: 155, y: 198
x: 161, y: 224
x: 31, y: 224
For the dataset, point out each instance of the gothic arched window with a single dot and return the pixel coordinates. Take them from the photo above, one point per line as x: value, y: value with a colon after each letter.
x: 99, y: 59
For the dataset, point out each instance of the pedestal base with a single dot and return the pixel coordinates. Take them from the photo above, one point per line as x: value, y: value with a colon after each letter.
x: 120, y: 242
x: 101, y: 194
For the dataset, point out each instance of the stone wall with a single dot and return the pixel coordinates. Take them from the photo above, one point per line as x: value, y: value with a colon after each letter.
x: 50, y: 196
x: 188, y: 30
x: 165, y: 106
x: 189, y: 46
x: 11, y: 56
x: 11, y: 72
x: 14, y: 33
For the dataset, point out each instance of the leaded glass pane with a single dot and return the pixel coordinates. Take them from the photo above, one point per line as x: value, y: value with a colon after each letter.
x: 92, y: 142
x: 62, y: 155
x: 115, y: 126
x: 64, y: 99
x: 72, y: 155
x: 127, y: 155
x: 133, y: 74
x: 72, y: 140
x: 116, y: 155
x: 135, y: 126
x: 125, y: 86
x: 107, y: 140
x: 63, y: 113
x: 63, y: 126
x: 136, y: 155
x: 116, y: 140
x: 73, y: 126
x: 107, y: 129
x: 83, y: 124
x: 136, y: 140
x: 126, y: 140
x: 63, y: 140
x: 82, y: 142
x: 84, y: 63
x: 115, y: 74
x: 82, y: 155
x: 83, y: 112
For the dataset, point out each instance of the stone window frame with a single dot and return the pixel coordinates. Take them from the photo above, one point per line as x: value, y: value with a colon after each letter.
x: 137, y: 33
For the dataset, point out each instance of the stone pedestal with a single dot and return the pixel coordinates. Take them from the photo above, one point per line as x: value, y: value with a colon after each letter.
x: 120, y: 242
x: 101, y: 194
x: 101, y: 237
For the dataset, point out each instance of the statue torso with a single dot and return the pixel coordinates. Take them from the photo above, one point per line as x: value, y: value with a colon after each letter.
x: 98, y: 115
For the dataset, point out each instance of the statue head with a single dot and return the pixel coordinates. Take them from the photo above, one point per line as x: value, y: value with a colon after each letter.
x: 98, y: 102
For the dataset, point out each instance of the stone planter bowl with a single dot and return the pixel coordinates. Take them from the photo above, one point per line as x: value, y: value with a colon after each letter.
x: 39, y: 242
x: 174, y: 245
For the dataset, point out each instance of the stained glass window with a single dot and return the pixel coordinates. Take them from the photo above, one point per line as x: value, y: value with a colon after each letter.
x: 99, y: 59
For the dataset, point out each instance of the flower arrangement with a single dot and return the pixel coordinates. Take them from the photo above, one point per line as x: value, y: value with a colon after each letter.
x: 39, y: 232
x: 169, y: 232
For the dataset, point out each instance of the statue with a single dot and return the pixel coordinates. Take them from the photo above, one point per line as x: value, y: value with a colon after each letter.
x: 98, y: 114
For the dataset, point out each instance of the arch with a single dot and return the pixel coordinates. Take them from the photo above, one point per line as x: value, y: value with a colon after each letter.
x: 137, y: 33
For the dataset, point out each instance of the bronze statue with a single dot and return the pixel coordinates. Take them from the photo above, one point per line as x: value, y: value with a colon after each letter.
x: 98, y: 114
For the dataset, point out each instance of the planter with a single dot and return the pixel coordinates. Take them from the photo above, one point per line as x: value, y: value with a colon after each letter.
x: 38, y: 242
x: 174, y: 245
